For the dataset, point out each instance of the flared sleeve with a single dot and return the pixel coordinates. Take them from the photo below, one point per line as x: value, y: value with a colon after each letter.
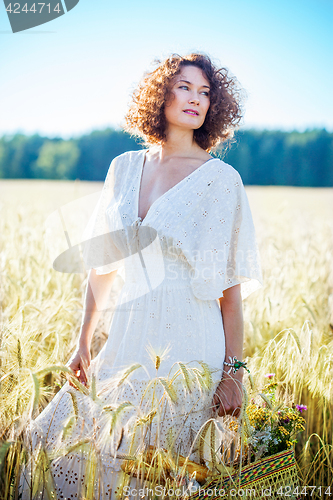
x: 223, y: 250
x: 100, y: 251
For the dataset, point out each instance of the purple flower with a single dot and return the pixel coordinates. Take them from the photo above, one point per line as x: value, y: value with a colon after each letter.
x: 301, y: 408
x: 286, y: 420
x: 270, y: 375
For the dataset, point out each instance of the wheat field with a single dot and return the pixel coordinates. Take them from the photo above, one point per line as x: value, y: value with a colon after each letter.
x: 288, y: 322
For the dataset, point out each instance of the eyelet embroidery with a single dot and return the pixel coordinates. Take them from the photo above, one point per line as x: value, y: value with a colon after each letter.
x: 203, y: 225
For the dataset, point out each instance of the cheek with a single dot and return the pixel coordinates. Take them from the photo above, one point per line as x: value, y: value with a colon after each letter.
x: 169, y: 110
x: 207, y: 106
x: 171, y: 103
x: 180, y: 96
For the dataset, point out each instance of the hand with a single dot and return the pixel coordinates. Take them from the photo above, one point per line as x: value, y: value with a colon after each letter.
x: 79, y: 363
x: 228, y: 396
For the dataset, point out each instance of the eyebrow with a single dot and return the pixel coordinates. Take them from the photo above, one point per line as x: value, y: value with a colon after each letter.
x: 186, y: 81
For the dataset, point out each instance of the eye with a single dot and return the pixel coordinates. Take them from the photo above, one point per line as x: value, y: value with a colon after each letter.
x: 184, y: 87
x: 205, y: 93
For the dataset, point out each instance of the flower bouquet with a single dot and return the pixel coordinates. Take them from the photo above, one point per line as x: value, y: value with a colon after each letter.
x: 259, y: 461
x: 251, y: 456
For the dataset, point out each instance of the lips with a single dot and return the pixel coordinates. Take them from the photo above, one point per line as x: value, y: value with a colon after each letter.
x: 191, y: 112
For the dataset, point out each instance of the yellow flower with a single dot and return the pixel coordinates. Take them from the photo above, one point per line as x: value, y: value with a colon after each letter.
x: 233, y: 425
x: 283, y: 430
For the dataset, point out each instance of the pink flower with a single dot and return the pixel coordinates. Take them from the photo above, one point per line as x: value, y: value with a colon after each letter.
x: 270, y: 375
x: 301, y: 408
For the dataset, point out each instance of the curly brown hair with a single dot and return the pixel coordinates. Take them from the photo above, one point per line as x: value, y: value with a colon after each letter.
x: 145, y: 117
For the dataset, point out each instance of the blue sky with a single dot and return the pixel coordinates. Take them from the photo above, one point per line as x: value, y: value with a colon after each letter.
x: 75, y: 74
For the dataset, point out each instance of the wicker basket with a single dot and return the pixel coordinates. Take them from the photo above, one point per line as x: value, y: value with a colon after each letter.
x: 271, y: 477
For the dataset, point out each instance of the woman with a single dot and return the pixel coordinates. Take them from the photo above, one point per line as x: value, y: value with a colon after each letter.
x: 175, y: 222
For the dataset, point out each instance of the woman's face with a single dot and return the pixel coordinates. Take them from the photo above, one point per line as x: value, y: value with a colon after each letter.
x: 189, y: 103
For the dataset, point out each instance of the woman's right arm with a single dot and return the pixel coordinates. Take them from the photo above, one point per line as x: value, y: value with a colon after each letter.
x: 97, y: 293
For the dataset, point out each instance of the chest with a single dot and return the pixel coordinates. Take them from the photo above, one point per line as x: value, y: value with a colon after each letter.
x: 158, y: 180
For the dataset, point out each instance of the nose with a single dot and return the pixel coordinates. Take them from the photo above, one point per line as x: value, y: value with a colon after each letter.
x: 194, y: 100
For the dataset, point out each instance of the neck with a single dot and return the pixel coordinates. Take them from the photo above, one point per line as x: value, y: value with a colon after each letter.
x: 179, y: 142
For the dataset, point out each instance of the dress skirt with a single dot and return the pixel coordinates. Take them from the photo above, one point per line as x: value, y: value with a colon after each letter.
x: 151, y: 385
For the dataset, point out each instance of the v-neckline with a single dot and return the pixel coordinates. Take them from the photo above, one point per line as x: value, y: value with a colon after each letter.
x: 142, y: 163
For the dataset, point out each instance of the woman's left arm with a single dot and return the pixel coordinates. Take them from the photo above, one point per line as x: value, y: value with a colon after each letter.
x: 229, y: 394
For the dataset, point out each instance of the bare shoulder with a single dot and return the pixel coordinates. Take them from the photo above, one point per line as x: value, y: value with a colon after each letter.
x: 204, y: 155
x: 199, y: 157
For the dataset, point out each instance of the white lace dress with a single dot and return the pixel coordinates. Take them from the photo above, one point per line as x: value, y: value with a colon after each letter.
x: 196, y: 241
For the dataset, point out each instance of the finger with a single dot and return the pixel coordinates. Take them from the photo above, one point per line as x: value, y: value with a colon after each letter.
x: 236, y: 412
x: 230, y: 406
x: 223, y: 405
x: 223, y: 409
x: 215, y: 404
x: 73, y: 372
x: 216, y: 401
x: 69, y: 377
x: 216, y: 407
x: 70, y: 382
x: 217, y: 396
x: 73, y: 365
x: 83, y: 376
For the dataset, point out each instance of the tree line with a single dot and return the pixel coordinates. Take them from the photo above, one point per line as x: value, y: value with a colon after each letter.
x: 261, y: 157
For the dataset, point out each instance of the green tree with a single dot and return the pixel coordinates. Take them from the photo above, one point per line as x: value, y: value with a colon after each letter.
x: 263, y: 157
x: 56, y: 160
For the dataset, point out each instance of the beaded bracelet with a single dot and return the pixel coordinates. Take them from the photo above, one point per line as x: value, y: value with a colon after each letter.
x: 235, y: 364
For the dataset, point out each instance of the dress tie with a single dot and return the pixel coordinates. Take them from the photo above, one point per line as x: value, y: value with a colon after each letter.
x: 136, y: 237
x: 138, y: 248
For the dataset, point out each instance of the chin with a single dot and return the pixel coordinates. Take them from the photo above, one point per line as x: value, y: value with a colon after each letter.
x: 187, y: 124
x: 193, y: 125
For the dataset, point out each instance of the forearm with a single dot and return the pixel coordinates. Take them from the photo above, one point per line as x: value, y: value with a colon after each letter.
x: 97, y: 293
x: 232, y: 317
